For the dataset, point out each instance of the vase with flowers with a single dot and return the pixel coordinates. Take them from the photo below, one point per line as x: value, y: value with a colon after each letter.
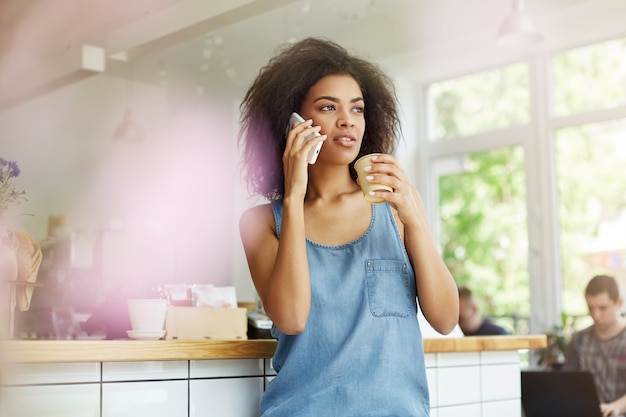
x: 20, y: 255
x: 9, y: 194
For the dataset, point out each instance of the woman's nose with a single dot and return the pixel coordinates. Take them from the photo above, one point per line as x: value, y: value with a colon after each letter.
x: 345, y: 120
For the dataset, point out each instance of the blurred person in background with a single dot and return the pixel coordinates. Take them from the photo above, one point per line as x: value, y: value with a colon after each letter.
x: 601, y: 347
x: 471, y: 320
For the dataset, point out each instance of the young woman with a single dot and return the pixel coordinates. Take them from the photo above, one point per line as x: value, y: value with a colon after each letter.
x: 338, y: 276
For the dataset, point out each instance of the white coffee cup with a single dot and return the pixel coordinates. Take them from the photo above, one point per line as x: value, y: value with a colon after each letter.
x: 147, y: 314
x: 366, y: 186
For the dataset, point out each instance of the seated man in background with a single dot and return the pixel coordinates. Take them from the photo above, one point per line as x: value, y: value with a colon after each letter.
x: 601, y: 347
x: 471, y: 322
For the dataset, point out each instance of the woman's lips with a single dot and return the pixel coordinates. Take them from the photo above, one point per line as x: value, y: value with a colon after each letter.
x: 346, y: 141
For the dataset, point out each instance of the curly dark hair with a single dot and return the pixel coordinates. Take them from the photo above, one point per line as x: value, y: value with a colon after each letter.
x: 280, y: 89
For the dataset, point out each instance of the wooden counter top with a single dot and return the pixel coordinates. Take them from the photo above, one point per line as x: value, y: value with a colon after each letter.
x: 50, y: 351
x: 480, y: 343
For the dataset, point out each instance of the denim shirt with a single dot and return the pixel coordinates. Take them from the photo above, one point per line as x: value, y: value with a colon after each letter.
x: 361, y: 352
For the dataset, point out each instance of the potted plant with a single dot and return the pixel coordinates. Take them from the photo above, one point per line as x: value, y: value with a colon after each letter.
x: 552, y: 357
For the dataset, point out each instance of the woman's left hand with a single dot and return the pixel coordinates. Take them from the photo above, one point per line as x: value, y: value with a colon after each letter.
x: 385, y: 169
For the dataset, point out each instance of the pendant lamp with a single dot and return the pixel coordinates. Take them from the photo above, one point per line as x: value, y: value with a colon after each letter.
x: 518, y: 29
x: 128, y: 130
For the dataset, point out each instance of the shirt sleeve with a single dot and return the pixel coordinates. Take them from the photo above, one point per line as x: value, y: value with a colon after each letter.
x: 571, y: 356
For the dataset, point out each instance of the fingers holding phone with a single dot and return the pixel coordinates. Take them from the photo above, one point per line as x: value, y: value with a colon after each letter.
x: 294, y: 119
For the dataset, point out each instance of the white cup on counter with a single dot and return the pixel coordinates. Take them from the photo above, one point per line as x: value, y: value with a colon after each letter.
x: 147, y: 318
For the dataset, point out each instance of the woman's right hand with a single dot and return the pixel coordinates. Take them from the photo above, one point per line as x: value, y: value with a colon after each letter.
x: 295, y: 165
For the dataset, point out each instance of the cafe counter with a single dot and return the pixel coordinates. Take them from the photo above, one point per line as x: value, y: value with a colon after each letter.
x: 58, y: 351
x: 476, y: 376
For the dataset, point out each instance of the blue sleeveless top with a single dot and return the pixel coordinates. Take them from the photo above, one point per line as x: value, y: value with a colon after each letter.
x: 361, y: 352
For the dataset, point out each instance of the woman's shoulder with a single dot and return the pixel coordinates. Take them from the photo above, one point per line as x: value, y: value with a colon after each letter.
x: 257, y: 213
x: 256, y: 223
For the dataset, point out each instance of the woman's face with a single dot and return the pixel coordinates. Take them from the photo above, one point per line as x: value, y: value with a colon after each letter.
x: 336, y: 104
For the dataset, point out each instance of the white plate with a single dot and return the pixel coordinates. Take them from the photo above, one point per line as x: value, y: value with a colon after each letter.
x: 145, y: 334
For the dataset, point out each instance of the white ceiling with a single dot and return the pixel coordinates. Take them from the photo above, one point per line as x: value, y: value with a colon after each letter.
x: 205, y: 43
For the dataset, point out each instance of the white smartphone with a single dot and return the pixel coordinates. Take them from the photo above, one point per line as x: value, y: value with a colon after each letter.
x: 312, y: 157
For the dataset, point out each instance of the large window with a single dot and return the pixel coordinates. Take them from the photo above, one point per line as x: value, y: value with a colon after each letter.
x: 482, y: 195
x: 590, y: 78
x: 479, y: 102
x: 482, y: 204
x: 590, y: 152
x: 529, y: 201
x: 591, y: 166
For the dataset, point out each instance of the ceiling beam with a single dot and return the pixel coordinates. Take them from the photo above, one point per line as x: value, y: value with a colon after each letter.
x: 74, y: 65
x: 159, y: 29
x: 182, y: 22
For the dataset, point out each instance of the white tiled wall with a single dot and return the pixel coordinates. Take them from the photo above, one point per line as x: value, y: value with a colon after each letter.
x: 466, y: 410
x: 502, y: 408
x: 500, y: 382
x: 149, y: 388
x: 231, y: 387
x: 471, y: 384
x: 458, y: 385
x: 145, y: 370
x: 226, y: 367
x: 232, y: 397
x: 76, y: 400
x: 474, y: 384
x: 76, y: 390
x: 145, y: 399
x: 46, y: 373
x: 236, y: 393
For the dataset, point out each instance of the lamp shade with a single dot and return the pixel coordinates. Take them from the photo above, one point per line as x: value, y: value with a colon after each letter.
x: 518, y: 29
x: 128, y: 130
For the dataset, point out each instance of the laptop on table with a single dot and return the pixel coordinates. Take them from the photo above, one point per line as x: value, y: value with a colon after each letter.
x: 559, y: 394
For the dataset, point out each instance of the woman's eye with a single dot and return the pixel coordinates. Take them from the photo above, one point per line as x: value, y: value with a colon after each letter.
x: 359, y: 109
x: 328, y: 107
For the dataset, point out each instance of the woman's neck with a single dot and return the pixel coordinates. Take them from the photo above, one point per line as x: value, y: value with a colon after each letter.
x: 330, y: 184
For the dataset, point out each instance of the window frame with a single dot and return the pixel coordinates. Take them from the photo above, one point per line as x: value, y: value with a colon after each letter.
x: 538, y: 143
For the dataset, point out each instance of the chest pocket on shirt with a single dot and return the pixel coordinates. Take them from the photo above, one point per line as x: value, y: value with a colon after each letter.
x: 388, y: 288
